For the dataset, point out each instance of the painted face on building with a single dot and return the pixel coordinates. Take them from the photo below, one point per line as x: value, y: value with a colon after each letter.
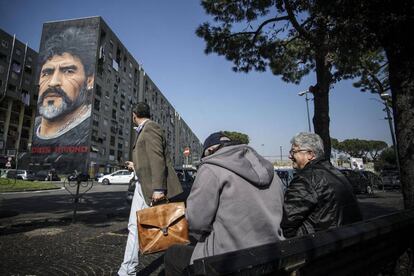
x: 62, y: 86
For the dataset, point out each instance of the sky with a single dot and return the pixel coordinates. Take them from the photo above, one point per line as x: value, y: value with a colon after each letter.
x: 208, y: 95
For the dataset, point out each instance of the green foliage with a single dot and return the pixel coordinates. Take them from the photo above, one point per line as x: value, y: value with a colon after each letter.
x: 237, y: 136
x: 386, y: 160
x: 360, y: 148
x: 335, y: 144
x: 11, y: 185
x: 254, y: 36
x: 373, y: 73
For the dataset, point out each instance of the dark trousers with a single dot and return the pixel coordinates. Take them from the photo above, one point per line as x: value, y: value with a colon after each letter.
x: 177, y: 258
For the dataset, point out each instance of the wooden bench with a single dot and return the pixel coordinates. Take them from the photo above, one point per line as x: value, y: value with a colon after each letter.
x: 362, y: 248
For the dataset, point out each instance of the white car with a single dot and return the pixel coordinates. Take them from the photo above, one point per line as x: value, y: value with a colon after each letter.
x: 121, y: 176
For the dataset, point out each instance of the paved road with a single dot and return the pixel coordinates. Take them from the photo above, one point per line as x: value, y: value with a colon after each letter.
x: 95, y: 245
x: 102, y: 200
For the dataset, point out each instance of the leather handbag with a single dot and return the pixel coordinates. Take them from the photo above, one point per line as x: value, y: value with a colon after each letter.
x: 161, y: 226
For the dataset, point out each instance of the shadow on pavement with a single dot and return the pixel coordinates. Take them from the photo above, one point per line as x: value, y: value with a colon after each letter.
x: 152, y: 267
x: 94, y: 209
x: 371, y: 210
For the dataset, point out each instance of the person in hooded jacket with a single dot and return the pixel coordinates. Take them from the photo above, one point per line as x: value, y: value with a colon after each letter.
x: 236, y: 202
x: 319, y: 197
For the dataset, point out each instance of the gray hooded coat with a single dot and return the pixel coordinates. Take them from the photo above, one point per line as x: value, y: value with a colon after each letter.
x: 236, y: 202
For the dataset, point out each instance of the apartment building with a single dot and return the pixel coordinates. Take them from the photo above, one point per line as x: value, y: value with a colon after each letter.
x: 114, y: 82
x: 18, y: 96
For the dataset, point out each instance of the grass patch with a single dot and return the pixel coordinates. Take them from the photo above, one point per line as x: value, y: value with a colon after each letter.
x: 11, y: 185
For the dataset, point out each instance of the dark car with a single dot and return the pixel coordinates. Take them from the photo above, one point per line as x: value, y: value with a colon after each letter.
x: 98, y: 175
x: 374, y: 179
x: 360, y: 184
x: 82, y: 177
x: 43, y: 176
x: 186, y: 177
x: 390, y: 180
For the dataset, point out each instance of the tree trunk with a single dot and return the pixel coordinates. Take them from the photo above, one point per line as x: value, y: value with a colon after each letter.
x: 321, y: 103
x: 401, y: 74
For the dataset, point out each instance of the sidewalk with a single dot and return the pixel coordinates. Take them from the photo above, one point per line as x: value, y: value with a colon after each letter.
x: 95, y: 244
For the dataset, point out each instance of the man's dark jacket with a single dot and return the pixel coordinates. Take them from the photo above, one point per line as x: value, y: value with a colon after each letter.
x: 319, y: 197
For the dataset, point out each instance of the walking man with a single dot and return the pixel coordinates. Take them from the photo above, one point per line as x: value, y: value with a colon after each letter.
x: 156, y: 177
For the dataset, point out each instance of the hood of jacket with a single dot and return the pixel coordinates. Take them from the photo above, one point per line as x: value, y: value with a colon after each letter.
x: 245, y: 162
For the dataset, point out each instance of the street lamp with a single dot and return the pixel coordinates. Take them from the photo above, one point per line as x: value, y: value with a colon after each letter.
x: 384, y: 97
x: 281, y: 156
x: 305, y: 92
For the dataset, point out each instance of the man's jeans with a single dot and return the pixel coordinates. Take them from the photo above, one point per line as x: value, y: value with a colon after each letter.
x: 131, y: 250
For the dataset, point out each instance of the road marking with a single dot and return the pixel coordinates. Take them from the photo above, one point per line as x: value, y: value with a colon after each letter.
x: 32, y: 192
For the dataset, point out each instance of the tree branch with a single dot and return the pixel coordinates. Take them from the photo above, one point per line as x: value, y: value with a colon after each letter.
x: 276, y: 19
x: 261, y: 26
x: 295, y: 23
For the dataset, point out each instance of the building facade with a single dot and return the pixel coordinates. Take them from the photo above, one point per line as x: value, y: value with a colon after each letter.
x: 113, y: 82
x: 18, y: 97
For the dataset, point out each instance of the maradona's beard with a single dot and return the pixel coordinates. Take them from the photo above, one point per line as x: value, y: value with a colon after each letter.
x: 52, y: 112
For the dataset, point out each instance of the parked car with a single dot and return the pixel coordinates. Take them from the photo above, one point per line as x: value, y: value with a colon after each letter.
x: 374, y: 179
x: 360, y: 184
x: 390, y: 180
x: 121, y: 176
x: 82, y: 177
x: 286, y: 175
x: 17, y: 174
x: 43, y: 176
x: 98, y: 175
x: 186, y: 177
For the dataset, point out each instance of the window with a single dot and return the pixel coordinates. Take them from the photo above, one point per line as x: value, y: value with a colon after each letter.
x: 98, y: 90
x: 97, y: 105
x: 115, y: 65
x: 3, y: 57
x: 4, y: 43
x: 16, y: 67
x: 95, y: 122
x: 112, y: 141
x: 14, y: 76
x: 11, y: 87
x: 18, y: 52
x: 28, y: 69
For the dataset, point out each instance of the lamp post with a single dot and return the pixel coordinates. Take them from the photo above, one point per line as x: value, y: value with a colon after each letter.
x: 384, y: 97
x: 305, y: 92
x: 281, y: 156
